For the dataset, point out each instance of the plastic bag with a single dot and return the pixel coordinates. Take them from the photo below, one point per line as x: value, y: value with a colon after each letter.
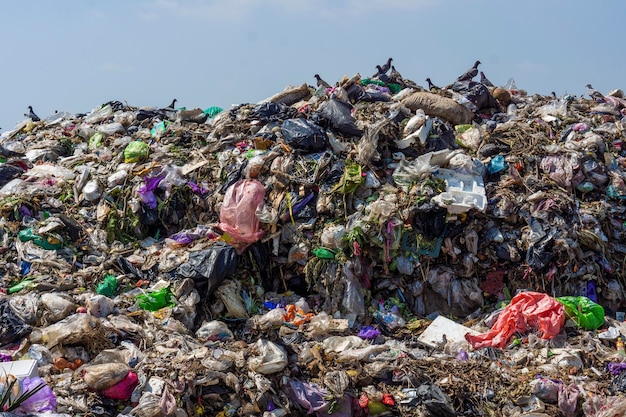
x: 99, y: 115
x: 100, y: 305
x: 339, y: 115
x: 214, y: 330
x: 42, y: 401
x: 583, y: 311
x: 107, y: 286
x: 353, y: 299
x: 527, y: 310
x: 304, y: 135
x: 105, y: 375
x: 238, y: 213
x: 209, y: 267
x: 136, y: 151
x: 270, y: 358
x: 58, y: 306
x: 230, y: 294
x: 310, y: 396
x: 546, y: 390
x: 123, y: 389
x: 435, y: 401
x: 12, y: 327
x: 155, y: 300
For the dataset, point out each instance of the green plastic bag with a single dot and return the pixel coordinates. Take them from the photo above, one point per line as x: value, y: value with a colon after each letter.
x: 324, y: 253
x: 107, y: 286
x: 48, y: 243
x: 583, y: 311
x: 95, y: 141
x: 351, y: 179
x: 136, y: 151
x: 155, y: 300
x: 213, y: 111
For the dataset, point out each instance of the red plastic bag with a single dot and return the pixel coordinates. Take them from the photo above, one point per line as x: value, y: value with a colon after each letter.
x: 527, y: 311
x: 238, y: 214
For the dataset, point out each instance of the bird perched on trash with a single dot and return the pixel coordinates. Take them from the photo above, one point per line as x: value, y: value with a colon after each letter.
x: 173, y: 104
x: 32, y: 114
x: 470, y: 73
x: 594, y: 94
x: 395, y: 74
x: 383, y: 69
x: 320, y: 82
x: 485, y: 81
x: 431, y: 86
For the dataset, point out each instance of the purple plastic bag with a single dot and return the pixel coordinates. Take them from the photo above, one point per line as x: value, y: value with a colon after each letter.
x: 369, y: 332
x: 42, y: 401
x: 146, y: 191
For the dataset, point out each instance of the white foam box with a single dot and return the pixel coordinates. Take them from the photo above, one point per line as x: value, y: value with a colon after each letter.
x: 20, y: 369
x: 433, y: 335
x: 463, y: 191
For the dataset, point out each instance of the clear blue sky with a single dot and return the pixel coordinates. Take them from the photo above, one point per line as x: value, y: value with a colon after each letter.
x: 73, y: 55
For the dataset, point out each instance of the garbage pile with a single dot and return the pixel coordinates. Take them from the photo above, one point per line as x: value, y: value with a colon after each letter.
x: 370, y: 247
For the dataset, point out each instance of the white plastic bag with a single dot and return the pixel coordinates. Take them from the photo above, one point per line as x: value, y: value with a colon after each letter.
x: 270, y: 358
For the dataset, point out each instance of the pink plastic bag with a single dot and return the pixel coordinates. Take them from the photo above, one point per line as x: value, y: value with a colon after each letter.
x: 527, y: 311
x: 123, y: 389
x: 238, y: 214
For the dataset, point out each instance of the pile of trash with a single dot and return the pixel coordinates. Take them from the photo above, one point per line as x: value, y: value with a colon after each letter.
x: 371, y: 247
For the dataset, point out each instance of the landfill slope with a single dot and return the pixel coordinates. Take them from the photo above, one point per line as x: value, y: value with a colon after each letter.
x: 300, y: 255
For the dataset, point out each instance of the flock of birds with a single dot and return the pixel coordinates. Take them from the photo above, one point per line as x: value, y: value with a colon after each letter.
x: 393, y: 77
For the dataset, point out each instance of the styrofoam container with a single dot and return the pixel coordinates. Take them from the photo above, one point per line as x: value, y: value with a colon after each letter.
x: 20, y: 369
x: 463, y: 192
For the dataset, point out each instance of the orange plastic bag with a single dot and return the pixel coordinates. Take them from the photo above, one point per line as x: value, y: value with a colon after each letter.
x: 238, y: 213
x: 527, y: 311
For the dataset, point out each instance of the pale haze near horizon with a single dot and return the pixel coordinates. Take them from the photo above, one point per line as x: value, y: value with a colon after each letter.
x: 75, y: 55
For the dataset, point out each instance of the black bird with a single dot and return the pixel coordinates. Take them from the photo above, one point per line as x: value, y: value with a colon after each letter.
x: 173, y: 105
x: 383, y: 69
x: 378, y: 72
x: 320, y: 82
x: 431, y: 86
x: 594, y: 94
x: 386, y: 67
x: 470, y: 73
x: 485, y: 81
x: 396, y: 76
x: 32, y: 114
x: 553, y: 95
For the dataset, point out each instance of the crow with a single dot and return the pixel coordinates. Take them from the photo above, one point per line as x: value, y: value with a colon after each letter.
x: 431, y: 86
x: 173, y: 105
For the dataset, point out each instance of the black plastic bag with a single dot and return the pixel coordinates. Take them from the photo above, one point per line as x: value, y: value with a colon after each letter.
x: 441, y: 137
x: 435, y: 401
x: 209, y: 267
x: 127, y: 268
x: 429, y: 220
x: 12, y: 328
x: 304, y: 135
x: 539, y: 254
x: 9, y: 172
x: 271, y: 111
x: 338, y: 114
x: 477, y: 93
